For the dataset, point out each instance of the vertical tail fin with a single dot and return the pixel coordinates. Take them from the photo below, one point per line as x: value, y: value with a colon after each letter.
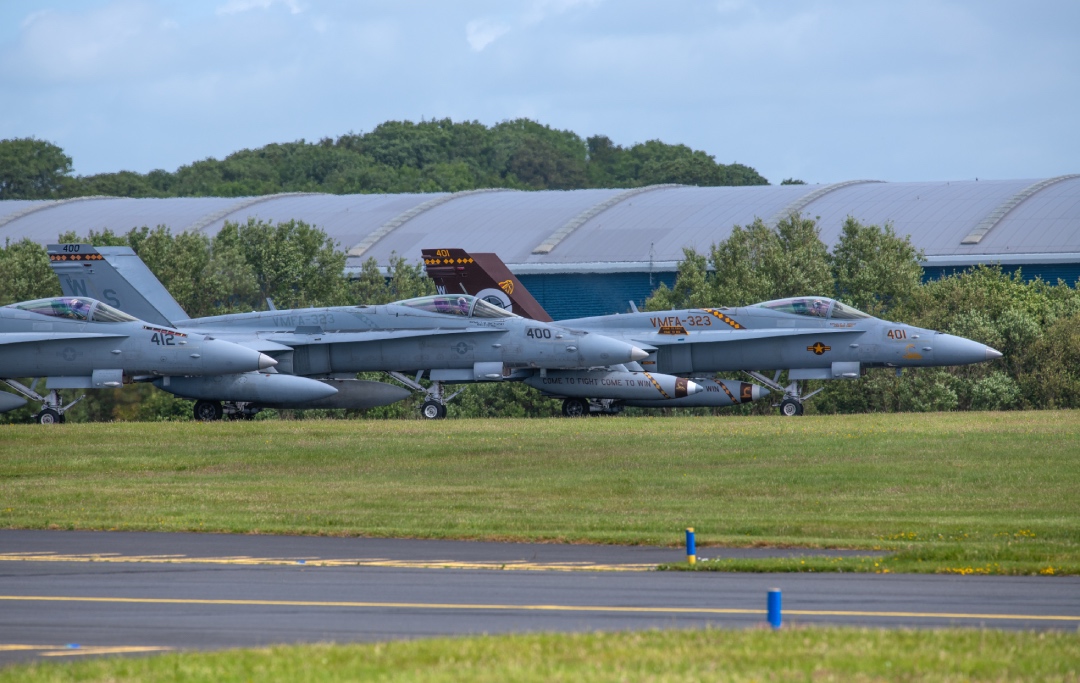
x: 482, y: 275
x: 116, y: 276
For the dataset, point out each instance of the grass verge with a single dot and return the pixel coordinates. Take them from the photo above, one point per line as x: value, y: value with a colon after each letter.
x: 819, y: 654
x: 953, y: 492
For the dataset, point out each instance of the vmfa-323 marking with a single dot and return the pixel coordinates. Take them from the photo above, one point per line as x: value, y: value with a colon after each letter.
x: 813, y: 338
x: 447, y: 338
x: 82, y: 343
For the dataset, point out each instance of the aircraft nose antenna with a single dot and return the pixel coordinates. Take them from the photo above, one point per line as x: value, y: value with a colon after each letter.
x: 992, y: 354
x: 637, y: 354
x: 266, y: 361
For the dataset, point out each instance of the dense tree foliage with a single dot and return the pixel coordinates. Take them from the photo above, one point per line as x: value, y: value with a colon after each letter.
x: 33, y: 169
x: 1034, y: 324
x: 397, y: 156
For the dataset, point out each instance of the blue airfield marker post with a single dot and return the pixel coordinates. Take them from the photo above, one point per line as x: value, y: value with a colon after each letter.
x: 775, y: 616
x: 691, y: 547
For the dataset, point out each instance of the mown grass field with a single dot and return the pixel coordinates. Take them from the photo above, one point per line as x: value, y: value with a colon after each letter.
x: 818, y: 654
x: 959, y: 492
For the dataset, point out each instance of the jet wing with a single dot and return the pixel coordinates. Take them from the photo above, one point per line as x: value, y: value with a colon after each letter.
x: 380, y: 335
x: 34, y: 337
x: 741, y: 335
x: 260, y: 345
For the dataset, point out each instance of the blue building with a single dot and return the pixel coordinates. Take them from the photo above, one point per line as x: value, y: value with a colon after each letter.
x: 587, y: 252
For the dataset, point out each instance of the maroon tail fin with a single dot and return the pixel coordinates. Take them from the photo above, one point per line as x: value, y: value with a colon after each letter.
x: 482, y: 275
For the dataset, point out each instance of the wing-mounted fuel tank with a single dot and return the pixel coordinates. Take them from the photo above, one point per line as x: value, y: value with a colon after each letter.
x: 285, y: 391
x: 10, y: 402
x: 247, y: 387
x: 352, y: 394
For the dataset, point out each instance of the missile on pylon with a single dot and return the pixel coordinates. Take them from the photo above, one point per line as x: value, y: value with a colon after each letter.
x: 713, y: 394
x: 626, y: 386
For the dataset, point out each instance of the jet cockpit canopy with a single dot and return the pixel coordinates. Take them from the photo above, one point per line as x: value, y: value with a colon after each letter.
x: 815, y: 306
x: 75, y: 308
x: 463, y: 305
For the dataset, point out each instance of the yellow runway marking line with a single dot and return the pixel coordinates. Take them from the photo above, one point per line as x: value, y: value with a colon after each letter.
x: 104, y: 650
x: 68, y: 651
x: 536, y: 608
x: 518, y: 565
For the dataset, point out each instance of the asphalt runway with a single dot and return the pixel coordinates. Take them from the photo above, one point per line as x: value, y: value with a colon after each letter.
x: 71, y: 594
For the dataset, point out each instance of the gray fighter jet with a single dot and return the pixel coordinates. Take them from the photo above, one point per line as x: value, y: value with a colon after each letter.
x: 449, y: 339
x: 813, y: 338
x: 81, y: 343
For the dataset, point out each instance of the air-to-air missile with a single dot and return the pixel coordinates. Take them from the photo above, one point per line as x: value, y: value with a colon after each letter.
x: 812, y: 338
x: 449, y: 339
x: 82, y: 343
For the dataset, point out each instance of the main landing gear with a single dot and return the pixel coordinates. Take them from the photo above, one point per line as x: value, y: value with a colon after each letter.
x: 434, y: 408
x: 52, y: 406
x: 792, y: 403
x: 209, y: 411
x: 584, y: 407
x: 575, y: 407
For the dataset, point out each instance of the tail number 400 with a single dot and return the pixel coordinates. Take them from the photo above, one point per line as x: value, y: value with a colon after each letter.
x: 538, y: 333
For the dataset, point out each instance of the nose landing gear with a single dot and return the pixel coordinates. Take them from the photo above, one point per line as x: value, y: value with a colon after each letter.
x: 791, y: 407
x: 792, y: 404
x: 52, y: 406
x: 434, y: 408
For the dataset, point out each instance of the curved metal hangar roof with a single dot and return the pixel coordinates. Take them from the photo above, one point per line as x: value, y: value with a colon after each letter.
x: 955, y: 223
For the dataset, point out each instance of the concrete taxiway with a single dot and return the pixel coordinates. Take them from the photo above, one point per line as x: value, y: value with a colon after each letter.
x: 142, y: 592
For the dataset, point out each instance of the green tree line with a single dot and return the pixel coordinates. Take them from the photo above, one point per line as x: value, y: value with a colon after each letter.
x: 1035, y: 324
x: 397, y: 156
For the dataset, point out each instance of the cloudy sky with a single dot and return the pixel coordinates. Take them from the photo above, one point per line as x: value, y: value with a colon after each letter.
x: 824, y: 91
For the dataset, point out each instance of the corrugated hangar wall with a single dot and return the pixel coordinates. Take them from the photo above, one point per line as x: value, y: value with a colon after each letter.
x: 586, y: 252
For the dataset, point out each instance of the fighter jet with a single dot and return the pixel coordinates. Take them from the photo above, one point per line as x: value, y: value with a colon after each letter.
x: 812, y: 337
x: 82, y: 343
x: 449, y: 339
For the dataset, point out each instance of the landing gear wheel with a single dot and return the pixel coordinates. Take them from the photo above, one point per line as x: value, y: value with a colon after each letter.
x: 575, y: 407
x: 791, y: 407
x: 207, y: 411
x: 432, y: 410
x: 48, y: 416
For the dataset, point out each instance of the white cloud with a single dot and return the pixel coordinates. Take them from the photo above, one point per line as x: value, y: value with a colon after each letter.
x: 238, y: 6
x: 483, y: 32
x: 112, y: 41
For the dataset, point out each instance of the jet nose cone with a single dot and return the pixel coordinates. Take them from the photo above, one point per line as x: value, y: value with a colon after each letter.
x: 992, y: 354
x: 266, y: 361
x: 693, y: 388
x: 637, y: 354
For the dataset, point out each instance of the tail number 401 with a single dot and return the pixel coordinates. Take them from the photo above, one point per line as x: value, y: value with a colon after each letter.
x: 896, y: 334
